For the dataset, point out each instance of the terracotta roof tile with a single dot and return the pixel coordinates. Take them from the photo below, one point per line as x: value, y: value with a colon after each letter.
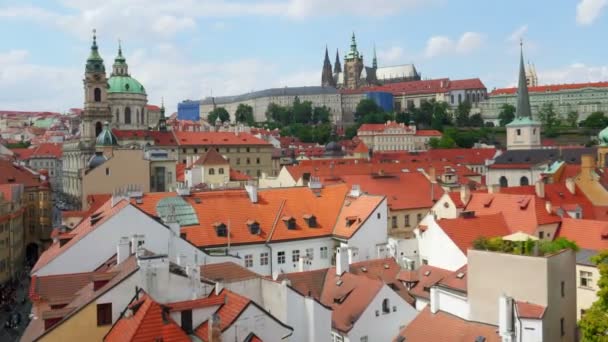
x: 233, y: 305
x: 148, y: 323
x: 355, y: 213
x: 158, y: 137
x: 48, y: 150
x: 457, y: 280
x: 551, y: 88
x: 211, y: 157
x: 197, y: 303
x: 463, y: 231
x: 422, y: 279
x: 442, y: 326
x: 217, y: 139
x: 587, y: 234
x: 386, y: 270
x: 559, y: 196
x: 529, y: 310
x: 226, y: 272
x: 61, y: 287
x: 308, y: 283
x: 11, y: 173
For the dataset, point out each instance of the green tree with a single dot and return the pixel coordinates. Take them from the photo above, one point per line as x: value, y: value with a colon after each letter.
x: 279, y: 114
x: 572, y: 118
x: 365, y: 107
x: 220, y: 112
x: 244, y: 114
x: 444, y: 142
x: 476, y: 120
x: 594, y: 323
x: 351, y: 131
x: 440, y: 115
x: 507, y: 114
x: 403, y: 117
x: 547, y: 116
x: 595, y: 120
x: 462, y: 113
x: 321, y: 114
x: 302, y: 111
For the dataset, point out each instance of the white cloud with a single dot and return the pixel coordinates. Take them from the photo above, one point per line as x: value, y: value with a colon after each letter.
x: 518, y: 34
x: 391, y: 55
x: 573, y: 73
x: 443, y: 45
x: 587, y: 11
x: 308, y: 8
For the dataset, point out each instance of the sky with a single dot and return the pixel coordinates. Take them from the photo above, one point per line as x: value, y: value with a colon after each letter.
x: 191, y: 49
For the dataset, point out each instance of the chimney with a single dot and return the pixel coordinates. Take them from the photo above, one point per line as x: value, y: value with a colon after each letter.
x: 154, y: 273
x: 548, y: 206
x: 182, y: 189
x: 252, y: 192
x: 136, y: 242
x: 571, y: 185
x: 219, y: 286
x: 301, y: 263
x: 465, y: 194
x: 352, y: 255
x: 341, y: 260
x: 540, y: 188
x: 432, y: 174
x: 355, y: 191
x: 493, y: 189
x: 123, y: 250
x: 215, y: 330
x: 587, y: 167
x: 505, y: 317
x: 434, y: 300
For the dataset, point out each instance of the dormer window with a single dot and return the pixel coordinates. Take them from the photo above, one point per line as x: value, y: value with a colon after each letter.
x: 350, y: 220
x: 220, y: 229
x: 290, y: 222
x: 254, y: 227
x: 311, y: 220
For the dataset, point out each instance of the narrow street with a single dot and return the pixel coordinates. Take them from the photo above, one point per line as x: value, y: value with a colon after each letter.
x: 23, y: 308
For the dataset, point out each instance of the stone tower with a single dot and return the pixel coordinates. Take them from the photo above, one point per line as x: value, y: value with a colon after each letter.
x: 96, y: 108
x: 327, y: 79
x: 531, y: 77
x: 523, y: 133
x: 337, y: 65
x: 353, y: 65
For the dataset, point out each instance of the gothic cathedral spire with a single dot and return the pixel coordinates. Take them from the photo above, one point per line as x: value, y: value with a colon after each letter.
x: 327, y: 79
x: 337, y: 65
x: 375, y: 60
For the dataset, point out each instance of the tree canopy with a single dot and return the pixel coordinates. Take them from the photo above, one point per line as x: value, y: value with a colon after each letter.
x: 244, y: 114
x: 595, y: 120
x: 594, y: 323
x: 366, y: 107
x: 507, y: 114
x: 220, y: 112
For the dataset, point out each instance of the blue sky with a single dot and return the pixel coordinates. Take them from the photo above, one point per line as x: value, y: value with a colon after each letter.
x: 188, y: 49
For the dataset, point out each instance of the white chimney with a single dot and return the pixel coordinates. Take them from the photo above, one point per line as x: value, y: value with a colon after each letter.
x: 540, y: 188
x: 352, y: 255
x: 493, y: 189
x: 505, y: 317
x: 355, y: 191
x: 182, y: 189
x: 548, y: 206
x: 434, y: 300
x: 155, y: 273
x: 182, y: 260
x: 136, y: 242
x: 123, y: 250
x: 219, y: 286
x: 301, y: 263
x: 571, y: 185
x: 465, y: 194
x: 341, y: 260
x: 252, y: 192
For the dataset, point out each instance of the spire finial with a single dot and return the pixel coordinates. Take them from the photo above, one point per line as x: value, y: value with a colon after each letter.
x: 94, y: 39
x: 119, y: 47
x: 375, y: 60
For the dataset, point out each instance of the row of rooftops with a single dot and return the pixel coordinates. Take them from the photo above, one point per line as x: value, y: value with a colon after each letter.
x: 551, y: 88
x: 189, y: 138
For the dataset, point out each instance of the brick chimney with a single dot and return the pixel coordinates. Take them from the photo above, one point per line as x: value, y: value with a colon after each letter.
x: 432, y: 174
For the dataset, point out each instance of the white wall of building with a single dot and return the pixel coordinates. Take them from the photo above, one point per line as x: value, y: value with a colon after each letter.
x: 437, y: 248
x: 372, y: 235
x: 260, y: 323
x: 451, y: 302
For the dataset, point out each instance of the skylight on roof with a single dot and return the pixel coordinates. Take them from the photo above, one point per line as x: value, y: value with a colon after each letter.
x: 460, y: 275
x: 177, y: 206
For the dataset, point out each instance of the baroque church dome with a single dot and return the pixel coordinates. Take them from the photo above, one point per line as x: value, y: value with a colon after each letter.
x: 106, y: 137
x: 125, y: 84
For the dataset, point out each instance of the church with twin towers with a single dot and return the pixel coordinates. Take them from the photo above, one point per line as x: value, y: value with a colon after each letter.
x: 356, y: 74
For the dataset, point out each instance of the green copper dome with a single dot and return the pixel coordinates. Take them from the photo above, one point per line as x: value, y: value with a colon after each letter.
x: 106, y: 137
x: 95, y: 62
x: 125, y: 84
x: 603, y: 137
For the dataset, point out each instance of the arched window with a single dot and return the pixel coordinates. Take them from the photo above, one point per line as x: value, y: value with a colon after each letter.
x: 220, y: 170
x: 524, y: 181
x: 504, y: 182
x: 128, y: 115
x: 386, y: 308
x: 97, y: 95
x: 211, y: 171
x: 98, y: 128
x: 117, y: 115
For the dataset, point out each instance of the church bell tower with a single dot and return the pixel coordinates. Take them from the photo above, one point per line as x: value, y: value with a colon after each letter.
x: 96, y: 108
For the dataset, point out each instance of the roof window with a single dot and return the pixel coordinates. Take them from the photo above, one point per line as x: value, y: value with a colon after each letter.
x: 311, y: 220
x: 290, y: 222
x: 220, y: 229
x: 460, y: 275
x: 254, y: 227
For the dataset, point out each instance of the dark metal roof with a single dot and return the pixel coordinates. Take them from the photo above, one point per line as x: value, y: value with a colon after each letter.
x: 287, y: 91
x: 568, y: 155
x: 583, y: 257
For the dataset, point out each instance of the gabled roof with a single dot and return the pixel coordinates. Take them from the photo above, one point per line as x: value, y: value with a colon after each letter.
x: 12, y: 173
x: 84, y: 228
x: 227, y: 272
x: 60, y: 288
x: 463, y: 231
x: 217, y: 139
x: 422, y: 279
x: 386, y: 270
x: 418, y: 194
x: 47, y: 150
x: 361, y: 148
x: 147, y: 323
x: 442, y: 326
x: 354, y: 213
x: 228, y: 312
x: 588, y: 234
x: 521, y: 212
x: 210, y: 158
x: 529, y: 310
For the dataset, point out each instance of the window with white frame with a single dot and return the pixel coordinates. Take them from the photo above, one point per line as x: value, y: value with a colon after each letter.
x: 324, y: 253
x: 281, y: 257
x: 248, y: 260
x: 264, y: 259
x: 586, y: 279
x: 295, y: 255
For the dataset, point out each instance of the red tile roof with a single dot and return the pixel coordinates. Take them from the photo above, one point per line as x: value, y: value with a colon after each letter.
x: 463, y: 231
x: 59, y: 288
x: 238, y: 176
x: 23, y: 153
x: 197, y: 303
x: 443, y: 326
x: 158, y: 137
x: 386, y: 270
x: 559, y: 196
x: 441, y: 85
x: 227, y: 272
x: 418, y: 194
x: 551, y: 88
x: 217, y: 139
x: 521, y: 212
x: 210, y: 158
x: 456, y: 280
x: 511, y: 166
x: 11, y: 173
x: 455, y: 197
x: 148, y: 323
x: 153, y: 107
x: 354, y: 214
x: 47, y: 150
x: 529, y: 310
x: 180, y: 170
x: 588, y: 234
x: 84, y: 228
x: 228, y: 313
x: 361, y: 148
x: 422, y: 279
